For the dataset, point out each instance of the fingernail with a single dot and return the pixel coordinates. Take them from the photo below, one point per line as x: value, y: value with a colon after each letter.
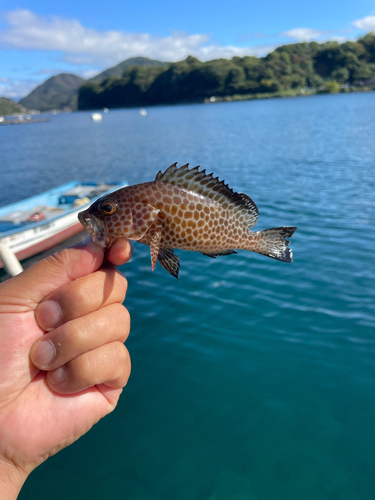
x: 43, y: 353
x: 49, y: 314
x: 57, y: 376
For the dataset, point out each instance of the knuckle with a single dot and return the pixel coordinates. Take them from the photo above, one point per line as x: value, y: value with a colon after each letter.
x: 122, y: 281
x: 119, y: 313
x: 122, y: 373
x: 82, y: 369
x: 74, y: 330
x: 124, y: 314
x: 77, y: 331
x: 122, y: 321
x: 80, y: 294
x: 122, y: 353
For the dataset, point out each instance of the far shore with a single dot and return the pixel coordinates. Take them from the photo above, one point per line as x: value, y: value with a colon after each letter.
x: 19, y: 118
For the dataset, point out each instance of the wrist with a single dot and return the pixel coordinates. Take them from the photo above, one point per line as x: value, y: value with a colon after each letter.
x: 12, y: 479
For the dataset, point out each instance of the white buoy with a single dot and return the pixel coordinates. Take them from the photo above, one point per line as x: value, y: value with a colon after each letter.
x: 96, y: 117
x: 11, y: 264
x: 142, y: 112
x: 105, y: 110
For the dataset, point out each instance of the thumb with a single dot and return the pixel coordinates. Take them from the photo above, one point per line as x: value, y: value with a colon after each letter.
x: 26, y: 290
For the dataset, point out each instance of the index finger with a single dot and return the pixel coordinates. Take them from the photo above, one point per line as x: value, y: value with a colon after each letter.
x: 80, y: 297
x: 27, y: 289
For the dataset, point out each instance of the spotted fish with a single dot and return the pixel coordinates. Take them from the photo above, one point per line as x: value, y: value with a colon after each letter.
x: 187, y: 209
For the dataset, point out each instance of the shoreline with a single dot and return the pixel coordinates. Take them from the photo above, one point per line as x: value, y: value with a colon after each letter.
x: 236, y: 98
x: 17, y: 121
x: 207, y: 100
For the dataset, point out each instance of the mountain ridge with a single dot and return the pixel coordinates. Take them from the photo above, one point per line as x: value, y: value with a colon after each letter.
x: 294, y: 69
x: 58, y: 92
x: 10, y: 107
x: 119, y: 69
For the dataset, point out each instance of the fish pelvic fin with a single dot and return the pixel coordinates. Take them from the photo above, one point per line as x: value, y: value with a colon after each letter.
x: 169, y: 261
x: 154, y: 247
x: 273, y: 243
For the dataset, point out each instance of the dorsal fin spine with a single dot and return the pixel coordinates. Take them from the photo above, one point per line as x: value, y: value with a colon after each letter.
x: 211, y: 187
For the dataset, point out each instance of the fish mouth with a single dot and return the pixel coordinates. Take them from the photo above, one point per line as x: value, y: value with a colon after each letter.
x: 95, y: 228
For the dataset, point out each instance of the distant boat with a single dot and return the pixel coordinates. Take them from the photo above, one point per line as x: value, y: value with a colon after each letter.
x: 36, y: 224
x: 96, y: 117
x: 142, y: 112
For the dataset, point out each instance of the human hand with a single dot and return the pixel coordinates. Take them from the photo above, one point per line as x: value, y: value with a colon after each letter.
x: 69, y: 309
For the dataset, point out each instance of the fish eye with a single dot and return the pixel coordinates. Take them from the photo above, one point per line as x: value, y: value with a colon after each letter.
x: 107, y: 208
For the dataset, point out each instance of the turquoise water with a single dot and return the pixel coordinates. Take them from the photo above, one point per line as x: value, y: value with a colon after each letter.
x: 251, y: 379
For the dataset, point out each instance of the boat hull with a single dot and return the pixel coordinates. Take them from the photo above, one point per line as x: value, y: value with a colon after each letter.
x: 47, y: 243
x: 33, y: 239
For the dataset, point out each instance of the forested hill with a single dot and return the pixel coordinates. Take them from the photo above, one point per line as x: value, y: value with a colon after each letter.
x: 119, y: 69
x: 58, y: 92
x: 10, y: 107
x: 287, y: 70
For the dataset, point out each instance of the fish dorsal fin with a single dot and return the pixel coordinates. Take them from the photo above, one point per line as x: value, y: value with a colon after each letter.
x: 207, y: 185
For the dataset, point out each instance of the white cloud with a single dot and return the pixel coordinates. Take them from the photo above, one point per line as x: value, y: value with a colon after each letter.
x: 86, y: 51
x: 49, y: 71
x: 89, y: 73
x: 16, y: 89
x: 303, y: 34
x: 339, y: 38
x: 79, y: 45
x: 365, y: 24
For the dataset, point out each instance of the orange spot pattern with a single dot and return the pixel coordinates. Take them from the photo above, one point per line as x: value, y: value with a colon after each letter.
x: 184, y: 218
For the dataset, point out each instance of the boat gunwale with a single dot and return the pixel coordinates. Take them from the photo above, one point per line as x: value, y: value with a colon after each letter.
x: 66, y: 214
x: 6, y: 209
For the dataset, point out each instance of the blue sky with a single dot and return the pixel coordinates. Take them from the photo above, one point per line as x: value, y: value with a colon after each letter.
x: 40, y: 38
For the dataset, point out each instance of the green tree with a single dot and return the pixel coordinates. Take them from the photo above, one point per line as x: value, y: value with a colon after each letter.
x: 341, y: 75
x: 332, y: 87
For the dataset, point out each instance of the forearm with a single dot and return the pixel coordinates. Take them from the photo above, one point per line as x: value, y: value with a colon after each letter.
x: 11, y: 480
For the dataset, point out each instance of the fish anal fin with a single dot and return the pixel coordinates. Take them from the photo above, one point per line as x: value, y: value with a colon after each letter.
x: 217, y: 253
x: 169, y: 261
x: 207, y: 185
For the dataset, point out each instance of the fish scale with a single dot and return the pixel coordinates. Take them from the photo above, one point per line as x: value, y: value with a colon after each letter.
x: 185, y: 209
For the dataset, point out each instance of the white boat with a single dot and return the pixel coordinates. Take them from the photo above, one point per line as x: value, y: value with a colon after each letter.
x: 36, y: 224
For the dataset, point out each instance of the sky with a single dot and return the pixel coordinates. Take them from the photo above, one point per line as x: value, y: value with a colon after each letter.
x: 40, y: 38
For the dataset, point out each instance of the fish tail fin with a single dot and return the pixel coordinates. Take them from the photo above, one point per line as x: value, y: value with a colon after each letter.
x: 273, y: 243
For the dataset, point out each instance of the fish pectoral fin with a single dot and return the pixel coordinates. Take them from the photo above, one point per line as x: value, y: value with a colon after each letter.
x: 154, y: 247
x: 217, y: 253
x: 169, y: 261
x: 144, y: 218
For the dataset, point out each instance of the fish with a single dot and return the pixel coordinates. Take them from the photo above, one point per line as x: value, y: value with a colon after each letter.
x: 184, y: 209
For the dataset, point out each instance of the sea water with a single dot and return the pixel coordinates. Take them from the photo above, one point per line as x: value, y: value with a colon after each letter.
x: 251, y: 379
